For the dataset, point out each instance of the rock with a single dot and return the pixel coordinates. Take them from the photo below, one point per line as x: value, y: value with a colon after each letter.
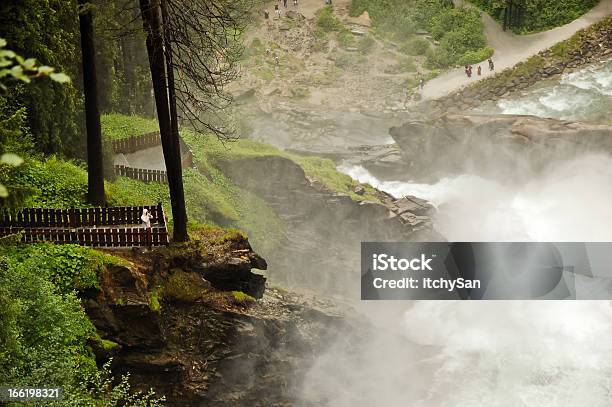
x: 421, y: 32
x: 359, y: 190
x: 358, y: 33
x: 247, y: 94
x: 460, y: 143
x: 414, y: 205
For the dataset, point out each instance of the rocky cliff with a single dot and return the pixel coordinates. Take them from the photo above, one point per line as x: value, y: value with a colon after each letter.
x: 458, y: 143
x: 172, y: 330
x: 324, y: 229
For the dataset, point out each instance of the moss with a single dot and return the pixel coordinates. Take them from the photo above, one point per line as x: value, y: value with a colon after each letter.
x: 185, y: 287
x: 154, y: 299
x: 108, y: 344
x: 241, y: 298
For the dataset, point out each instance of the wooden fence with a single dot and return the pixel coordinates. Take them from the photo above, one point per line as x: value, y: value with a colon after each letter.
x: 78, y: 217
x: 142, y: 174
x: 92, y: 237
x: 134, y: 143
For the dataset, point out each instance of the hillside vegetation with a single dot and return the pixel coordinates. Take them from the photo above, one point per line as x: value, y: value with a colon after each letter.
x: 539, y: 15
x: 459, y: 32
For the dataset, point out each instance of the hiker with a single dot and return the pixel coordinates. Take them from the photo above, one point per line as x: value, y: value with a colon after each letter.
x: 479, y: 70
x: 421, y: 83
x: 295, y: 3
x: 277, y: 60
x: 469, y: 71
x: 266, y: 14
x: 491, y: 65
x: 285, y: 3
x: 146, y: 218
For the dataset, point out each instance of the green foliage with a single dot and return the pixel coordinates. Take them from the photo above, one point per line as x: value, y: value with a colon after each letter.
x: 68, y: 267
x: 48, y: 32
x: 44, y: 332
x: 474, y: 57
x: 327, y: 21
x: 415, y: 46
x: 16, y: 67
x: 117, y: 126
x: 540, y: 15
x: 345, y: 38
x: 460, y: 32
x: 50, y: 183
x: 241, y: 298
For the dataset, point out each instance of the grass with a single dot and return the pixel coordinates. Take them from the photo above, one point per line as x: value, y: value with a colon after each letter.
x: 117, y: 126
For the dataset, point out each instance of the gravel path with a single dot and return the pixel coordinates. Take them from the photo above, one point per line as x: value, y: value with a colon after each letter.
x: 510, y: 49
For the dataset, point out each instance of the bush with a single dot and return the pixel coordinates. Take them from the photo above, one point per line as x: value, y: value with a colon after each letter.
x: 540, y: 15
x: 415, y: 46
x: 345, y: 38
x: 327, y: 21
x: 474, y: 57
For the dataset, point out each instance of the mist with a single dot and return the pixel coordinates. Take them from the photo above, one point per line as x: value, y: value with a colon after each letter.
x: 498, y: 353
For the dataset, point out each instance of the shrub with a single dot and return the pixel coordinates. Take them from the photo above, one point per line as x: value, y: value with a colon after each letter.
x: 415, y: 46
x: 474, y: 57
x: 345, y: 38
x: 327, y: 21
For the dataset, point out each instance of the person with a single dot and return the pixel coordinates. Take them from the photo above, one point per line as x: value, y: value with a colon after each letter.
x: 295, y: 3
x: 469, y: 71
x: 285, y: 3
x: 491, y: 65
x: 146, y: 218
x: 278, y: 10
x: 421, y: 83
x: 276, y: 60
x: 266, y: 14
x: 479, y: 70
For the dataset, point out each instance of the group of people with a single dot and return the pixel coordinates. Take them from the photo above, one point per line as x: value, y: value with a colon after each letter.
x: 468, y: 69
x: 277, y: 8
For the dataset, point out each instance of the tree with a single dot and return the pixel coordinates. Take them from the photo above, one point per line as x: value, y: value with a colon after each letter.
x: 193, y: 47
x: 151, y: 19
x: 95, y: 167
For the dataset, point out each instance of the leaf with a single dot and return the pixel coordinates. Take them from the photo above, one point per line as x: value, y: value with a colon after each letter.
x: 7, y: 53
x: 60, y: 77
x: 45, y: 70
x: 3, y: 191
x: 2, y: 43
x: 29, y: 64
x: 11, y: 159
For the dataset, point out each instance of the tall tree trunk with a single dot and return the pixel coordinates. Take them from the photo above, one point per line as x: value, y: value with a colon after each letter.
x: 150, y: 10
x: 95, y: 168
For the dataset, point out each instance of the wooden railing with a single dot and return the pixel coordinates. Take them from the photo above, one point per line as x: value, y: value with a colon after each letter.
x: 92, y: 237
x: 78, y: 217
x: 94, y: 227
x: 134, y: 143
x: 142, y: 174
x: 141, y: 142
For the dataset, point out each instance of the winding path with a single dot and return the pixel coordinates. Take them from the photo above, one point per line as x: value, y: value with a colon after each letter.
x: 510, y: 49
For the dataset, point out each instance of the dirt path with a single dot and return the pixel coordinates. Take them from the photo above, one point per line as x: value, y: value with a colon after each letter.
x: 511, y: 49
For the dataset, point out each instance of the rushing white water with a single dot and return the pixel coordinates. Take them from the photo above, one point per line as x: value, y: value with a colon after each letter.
x: 568, y: 201
x: 492, y: 354
x: 585, y: 95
